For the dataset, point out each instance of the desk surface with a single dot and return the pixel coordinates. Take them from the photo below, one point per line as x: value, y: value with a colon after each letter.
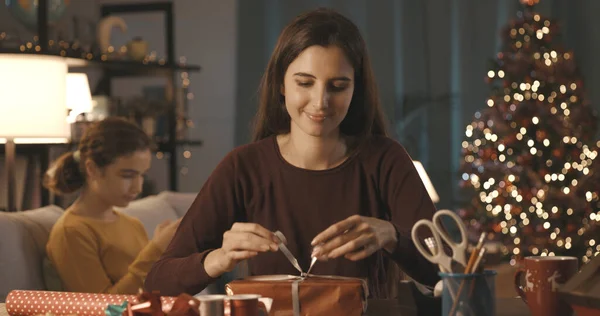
x: 504, y: 307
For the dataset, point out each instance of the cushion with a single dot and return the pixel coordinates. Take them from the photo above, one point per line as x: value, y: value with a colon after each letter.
x: 151, y: 211
x: 23, y: 238
x: 180, y: 202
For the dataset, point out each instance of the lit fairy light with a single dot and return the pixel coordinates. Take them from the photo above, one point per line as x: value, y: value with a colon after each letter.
x: 563, y: 89
x: 523, y: 86
x: 469, y: 131
x: 523, y: 130
x: 588, y: 196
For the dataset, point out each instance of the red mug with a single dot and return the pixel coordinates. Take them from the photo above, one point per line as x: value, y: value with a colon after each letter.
x: 248, y: 305
x: 543, y: 275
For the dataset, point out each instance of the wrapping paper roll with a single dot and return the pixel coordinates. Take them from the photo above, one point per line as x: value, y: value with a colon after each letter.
x: 31, y: 303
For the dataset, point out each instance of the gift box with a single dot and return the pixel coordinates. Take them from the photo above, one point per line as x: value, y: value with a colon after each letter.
x: 306, y: 295
x: 582, y: 291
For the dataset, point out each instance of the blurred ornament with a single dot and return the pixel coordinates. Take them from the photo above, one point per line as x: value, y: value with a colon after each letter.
x: 25, y: 11
x: 541, y: 135
x: 137, y: 49
x: 557, y: 153
x: 103, y: 32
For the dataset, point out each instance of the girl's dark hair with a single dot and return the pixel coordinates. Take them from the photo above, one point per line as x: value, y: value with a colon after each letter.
x: 323, y: 27
x: 103, y: 142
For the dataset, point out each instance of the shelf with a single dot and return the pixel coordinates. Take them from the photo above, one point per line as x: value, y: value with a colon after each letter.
x: 116, y: 67
x: 164, y: 145
x: 37, y: 148
x: 128, y: 67
x: 32, y: 149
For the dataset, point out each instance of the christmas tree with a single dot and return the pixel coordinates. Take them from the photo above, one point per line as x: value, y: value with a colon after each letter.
x: 529, y: 156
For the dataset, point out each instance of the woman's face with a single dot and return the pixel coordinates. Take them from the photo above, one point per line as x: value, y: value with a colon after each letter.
x: 120, y: 182
x: 318, y: 87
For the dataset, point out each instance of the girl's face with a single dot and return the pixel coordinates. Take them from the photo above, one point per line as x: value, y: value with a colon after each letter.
x: 120, y: 182
x: 318, y: 87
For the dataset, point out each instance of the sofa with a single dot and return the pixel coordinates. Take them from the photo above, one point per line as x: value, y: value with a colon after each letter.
x: 23, y: 238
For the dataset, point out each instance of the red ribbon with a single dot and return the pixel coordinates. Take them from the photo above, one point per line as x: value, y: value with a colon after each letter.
x: 150, y: 305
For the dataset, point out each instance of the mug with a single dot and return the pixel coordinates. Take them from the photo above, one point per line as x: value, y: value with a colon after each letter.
x: 543, y: 275
x: 248, y: 305
x: 211, y: 305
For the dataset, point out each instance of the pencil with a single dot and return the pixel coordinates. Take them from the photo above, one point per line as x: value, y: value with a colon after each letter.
x: 472, y: 265
x: 474, y: 254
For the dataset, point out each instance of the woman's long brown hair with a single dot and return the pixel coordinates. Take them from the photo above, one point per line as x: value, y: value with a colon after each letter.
x: 323, y: 27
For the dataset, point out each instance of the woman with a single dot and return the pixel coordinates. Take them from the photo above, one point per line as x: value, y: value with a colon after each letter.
x: 320, y: 170
x: 94, y: 248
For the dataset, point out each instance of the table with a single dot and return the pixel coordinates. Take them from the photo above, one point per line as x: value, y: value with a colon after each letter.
x: 504, y: 307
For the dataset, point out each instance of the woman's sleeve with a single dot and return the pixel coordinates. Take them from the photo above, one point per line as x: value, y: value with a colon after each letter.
x: 76, y: 258
x: 407, y: 202
x: 215, y: 209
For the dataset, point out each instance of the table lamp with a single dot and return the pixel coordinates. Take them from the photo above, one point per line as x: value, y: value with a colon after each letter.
x: 79, y: 96
x: 428, y: 185
x: 32, y: 106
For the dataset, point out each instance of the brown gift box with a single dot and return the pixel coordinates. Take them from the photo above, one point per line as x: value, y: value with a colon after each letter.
x: 314, y: 294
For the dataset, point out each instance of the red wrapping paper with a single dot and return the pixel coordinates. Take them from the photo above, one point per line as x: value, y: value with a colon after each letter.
x: 30, y: 303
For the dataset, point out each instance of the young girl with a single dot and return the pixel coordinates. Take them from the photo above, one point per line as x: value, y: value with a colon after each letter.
x: 321, y: 170
x: 94, y: 248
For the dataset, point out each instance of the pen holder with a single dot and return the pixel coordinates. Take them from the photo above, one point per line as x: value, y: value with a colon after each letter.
x: 469, y: 294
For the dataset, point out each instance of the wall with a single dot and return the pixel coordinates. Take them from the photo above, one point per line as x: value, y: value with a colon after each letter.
x: 206, y: 34
x: 435, y: 47
x: 427, y: 48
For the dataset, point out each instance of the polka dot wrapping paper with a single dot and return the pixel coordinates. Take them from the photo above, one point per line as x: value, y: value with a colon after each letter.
x: 31, y: 303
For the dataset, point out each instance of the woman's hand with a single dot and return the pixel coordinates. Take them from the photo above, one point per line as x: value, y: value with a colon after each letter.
x: 243, y: 241
x: 355, y: 238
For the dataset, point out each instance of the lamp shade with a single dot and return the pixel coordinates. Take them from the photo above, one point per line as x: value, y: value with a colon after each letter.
x: 428, y: 185
x: 79, y: 97
x: 32, y: 97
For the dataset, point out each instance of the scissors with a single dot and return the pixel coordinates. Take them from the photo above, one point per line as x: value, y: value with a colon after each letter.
x: 440, y: 257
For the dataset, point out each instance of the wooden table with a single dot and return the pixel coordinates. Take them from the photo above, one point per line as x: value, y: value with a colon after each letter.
x: 504, y: 307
